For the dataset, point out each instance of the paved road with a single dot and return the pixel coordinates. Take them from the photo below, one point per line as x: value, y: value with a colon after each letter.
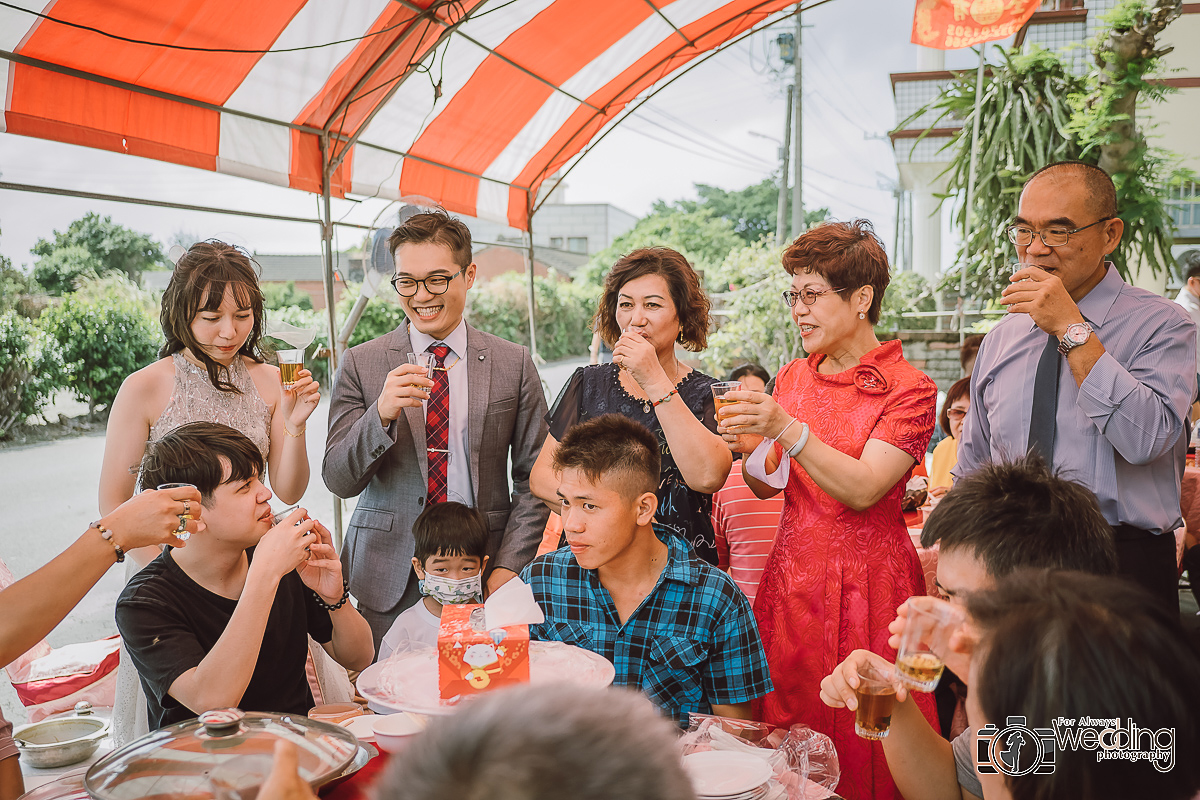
x: 49, y: 497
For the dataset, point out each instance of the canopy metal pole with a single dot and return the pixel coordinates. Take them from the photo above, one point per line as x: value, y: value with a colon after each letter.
x: 532, y: 299
x: 962, y: 274
x: 327, y: 275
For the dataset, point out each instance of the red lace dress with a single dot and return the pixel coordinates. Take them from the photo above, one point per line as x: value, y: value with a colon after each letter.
x: 836, y: 576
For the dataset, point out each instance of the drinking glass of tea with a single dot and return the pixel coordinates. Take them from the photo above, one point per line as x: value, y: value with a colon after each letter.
x: 876, y: 697
x: 719, y: 391
x: 926, y: 632
x: 290, y: 364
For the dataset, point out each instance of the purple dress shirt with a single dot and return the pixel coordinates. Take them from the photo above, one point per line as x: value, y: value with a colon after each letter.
x: 1123, y: 432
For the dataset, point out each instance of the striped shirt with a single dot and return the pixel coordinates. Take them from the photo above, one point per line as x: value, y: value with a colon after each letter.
x: 1122, y: 432
x: 745, y: 530
x: 691, y: 644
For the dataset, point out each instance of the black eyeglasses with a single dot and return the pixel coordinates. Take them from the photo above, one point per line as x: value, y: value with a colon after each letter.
x: 434, y: 284
x: 1022, y: 236
x: 808, y: 296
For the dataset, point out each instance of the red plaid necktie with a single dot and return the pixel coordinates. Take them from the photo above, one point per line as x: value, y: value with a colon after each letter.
x: 437, y: 425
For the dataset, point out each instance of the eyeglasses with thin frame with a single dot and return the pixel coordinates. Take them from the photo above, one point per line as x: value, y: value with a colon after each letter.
x: 434, y: 284
x: 808, y: 296
x: 1022, y: 236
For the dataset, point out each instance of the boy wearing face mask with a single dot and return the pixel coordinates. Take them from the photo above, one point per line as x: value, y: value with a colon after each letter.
x: 449, y: 557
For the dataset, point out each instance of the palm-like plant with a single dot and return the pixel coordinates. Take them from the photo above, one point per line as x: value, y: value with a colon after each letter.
x: 1024, y: 114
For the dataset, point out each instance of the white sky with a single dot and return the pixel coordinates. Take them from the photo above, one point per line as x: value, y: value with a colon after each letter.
x: 698, y: 130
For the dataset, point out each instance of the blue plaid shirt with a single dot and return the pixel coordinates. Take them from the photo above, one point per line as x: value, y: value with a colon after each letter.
x: 691, y: 643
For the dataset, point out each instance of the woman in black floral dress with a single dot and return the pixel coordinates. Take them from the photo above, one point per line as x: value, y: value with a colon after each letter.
x: 652, y: 300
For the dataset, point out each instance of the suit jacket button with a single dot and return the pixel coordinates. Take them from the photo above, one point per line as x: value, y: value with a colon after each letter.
x: 420, y: 501
x: 377, y: 452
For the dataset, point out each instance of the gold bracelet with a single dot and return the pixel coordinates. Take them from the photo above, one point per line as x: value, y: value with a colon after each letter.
x: 295, y: 435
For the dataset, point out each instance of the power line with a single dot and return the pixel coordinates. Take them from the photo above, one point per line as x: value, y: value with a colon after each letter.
x: 724, y: 144
x: 837, y: 76
x: 711, y: 156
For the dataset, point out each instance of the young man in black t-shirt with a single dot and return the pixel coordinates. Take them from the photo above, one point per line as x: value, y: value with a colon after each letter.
x: 223, y: 621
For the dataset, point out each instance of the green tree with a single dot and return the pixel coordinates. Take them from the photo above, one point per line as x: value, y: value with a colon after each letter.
x: 62, y: 269
x: 564, y: 308
x: 30, y: 370
x: 701, y: 236
x: 907, y: 291
x: 115, y: 247
x: 282, y: 295
x: 754, y: 324
x: 751, y: 210
x: 104, y: 335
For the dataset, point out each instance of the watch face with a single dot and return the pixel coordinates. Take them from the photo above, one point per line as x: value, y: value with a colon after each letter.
x: 1077, y: 333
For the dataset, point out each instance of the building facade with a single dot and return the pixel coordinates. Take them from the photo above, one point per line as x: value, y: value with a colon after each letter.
x: 1065, y: 26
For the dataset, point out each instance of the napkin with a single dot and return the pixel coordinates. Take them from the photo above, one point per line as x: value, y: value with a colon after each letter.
x: 512, y: 604
x: 298, y: 338
x: 756, y: 466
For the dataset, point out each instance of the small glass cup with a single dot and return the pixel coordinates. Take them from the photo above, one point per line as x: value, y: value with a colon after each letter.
x: 426, y: 360
x: 282, y: 515
x: 290, y: 364
x: 181, y: 535
x: 719, y: 391
x: 876, y: 696
x: 918, y: 667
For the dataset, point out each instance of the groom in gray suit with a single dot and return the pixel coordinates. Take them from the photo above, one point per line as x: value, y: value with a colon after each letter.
x: 403, y: 441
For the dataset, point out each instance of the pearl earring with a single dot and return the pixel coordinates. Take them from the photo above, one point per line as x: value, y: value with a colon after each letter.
x: 861, y: 315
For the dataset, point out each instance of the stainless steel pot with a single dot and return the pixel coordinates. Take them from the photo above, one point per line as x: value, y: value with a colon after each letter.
x: 61, y: 741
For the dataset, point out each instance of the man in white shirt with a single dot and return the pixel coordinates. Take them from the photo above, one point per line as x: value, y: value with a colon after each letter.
x: 1189, y: 295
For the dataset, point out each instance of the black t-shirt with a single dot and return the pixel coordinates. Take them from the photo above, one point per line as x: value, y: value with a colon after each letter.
x: 596, y: 390
x: 169, y: 623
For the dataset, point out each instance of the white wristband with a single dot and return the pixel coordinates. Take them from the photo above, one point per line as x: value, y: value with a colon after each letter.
x: 795, y: 449
x: 756, y: 466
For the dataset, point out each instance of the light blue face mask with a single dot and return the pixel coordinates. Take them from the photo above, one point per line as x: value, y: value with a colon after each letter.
x: 452, y: 592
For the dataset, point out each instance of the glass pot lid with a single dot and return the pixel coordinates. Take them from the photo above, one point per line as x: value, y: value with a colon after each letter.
x: 226, y: 754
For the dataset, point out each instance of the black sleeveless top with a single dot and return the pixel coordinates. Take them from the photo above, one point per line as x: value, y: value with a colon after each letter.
x: 596, y: 390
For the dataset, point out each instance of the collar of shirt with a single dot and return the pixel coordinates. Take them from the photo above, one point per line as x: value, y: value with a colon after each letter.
x: 457, y: 340
x: 1096, y: 304
x: 679, y: 566
x: 1187, y: 299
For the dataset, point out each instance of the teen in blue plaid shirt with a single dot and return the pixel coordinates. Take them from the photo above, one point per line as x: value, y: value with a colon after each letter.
x: 675, y: 627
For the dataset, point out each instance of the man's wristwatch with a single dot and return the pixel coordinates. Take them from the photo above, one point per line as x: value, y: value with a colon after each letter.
x: 1076, y: 334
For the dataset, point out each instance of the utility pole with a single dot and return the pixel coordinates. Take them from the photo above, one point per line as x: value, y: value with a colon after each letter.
x: 781, y: 226
x: 797, y: 148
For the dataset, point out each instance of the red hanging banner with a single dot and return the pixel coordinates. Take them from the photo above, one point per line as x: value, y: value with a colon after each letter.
x: 951, y: 24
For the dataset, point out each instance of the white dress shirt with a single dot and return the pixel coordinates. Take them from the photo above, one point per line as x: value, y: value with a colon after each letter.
x: 458, y: 472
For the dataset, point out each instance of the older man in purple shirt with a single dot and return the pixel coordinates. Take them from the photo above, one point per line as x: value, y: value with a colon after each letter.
x: 1094, y: 374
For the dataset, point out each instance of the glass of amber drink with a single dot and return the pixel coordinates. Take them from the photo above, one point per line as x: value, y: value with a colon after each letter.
x: 876, y: 696
x: 290, y: 364
x: 719, y: 391
x: 918, y: 666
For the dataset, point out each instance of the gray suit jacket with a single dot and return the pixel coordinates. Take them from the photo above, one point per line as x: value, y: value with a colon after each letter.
x: 389, y: 466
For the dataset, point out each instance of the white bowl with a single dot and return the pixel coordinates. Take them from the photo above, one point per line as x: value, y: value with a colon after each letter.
x: 393, y: 732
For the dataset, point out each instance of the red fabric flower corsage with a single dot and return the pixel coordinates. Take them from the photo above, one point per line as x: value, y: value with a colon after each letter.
x: 870, y: 380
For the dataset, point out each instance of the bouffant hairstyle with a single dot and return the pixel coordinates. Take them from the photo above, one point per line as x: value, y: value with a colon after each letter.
x: 198, y: 284
x: 846, y: 254
x: 959, y: 389
x: 615, y: 446
x: 435, y: 227
x: 691, y: 303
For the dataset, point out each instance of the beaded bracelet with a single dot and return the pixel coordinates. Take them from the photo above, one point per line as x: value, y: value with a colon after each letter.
x: 107, y: 536
x: 334, y: 607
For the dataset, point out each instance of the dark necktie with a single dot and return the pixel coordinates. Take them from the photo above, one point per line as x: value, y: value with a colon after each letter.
x: 437, y: 425
x: 1045, y: 402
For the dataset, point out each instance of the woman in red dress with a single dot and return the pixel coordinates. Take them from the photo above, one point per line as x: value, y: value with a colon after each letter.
x: 854, y: 417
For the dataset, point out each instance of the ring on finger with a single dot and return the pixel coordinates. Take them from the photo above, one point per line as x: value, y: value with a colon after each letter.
x: 187, y: 508
x: 182, y: 524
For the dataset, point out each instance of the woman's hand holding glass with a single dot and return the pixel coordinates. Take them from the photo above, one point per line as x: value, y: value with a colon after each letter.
x: 299, y: 402
x: 154, y: 517
x: 751, y: 418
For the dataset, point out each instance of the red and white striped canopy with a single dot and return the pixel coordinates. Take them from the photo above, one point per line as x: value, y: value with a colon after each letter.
x: 471, y: 103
